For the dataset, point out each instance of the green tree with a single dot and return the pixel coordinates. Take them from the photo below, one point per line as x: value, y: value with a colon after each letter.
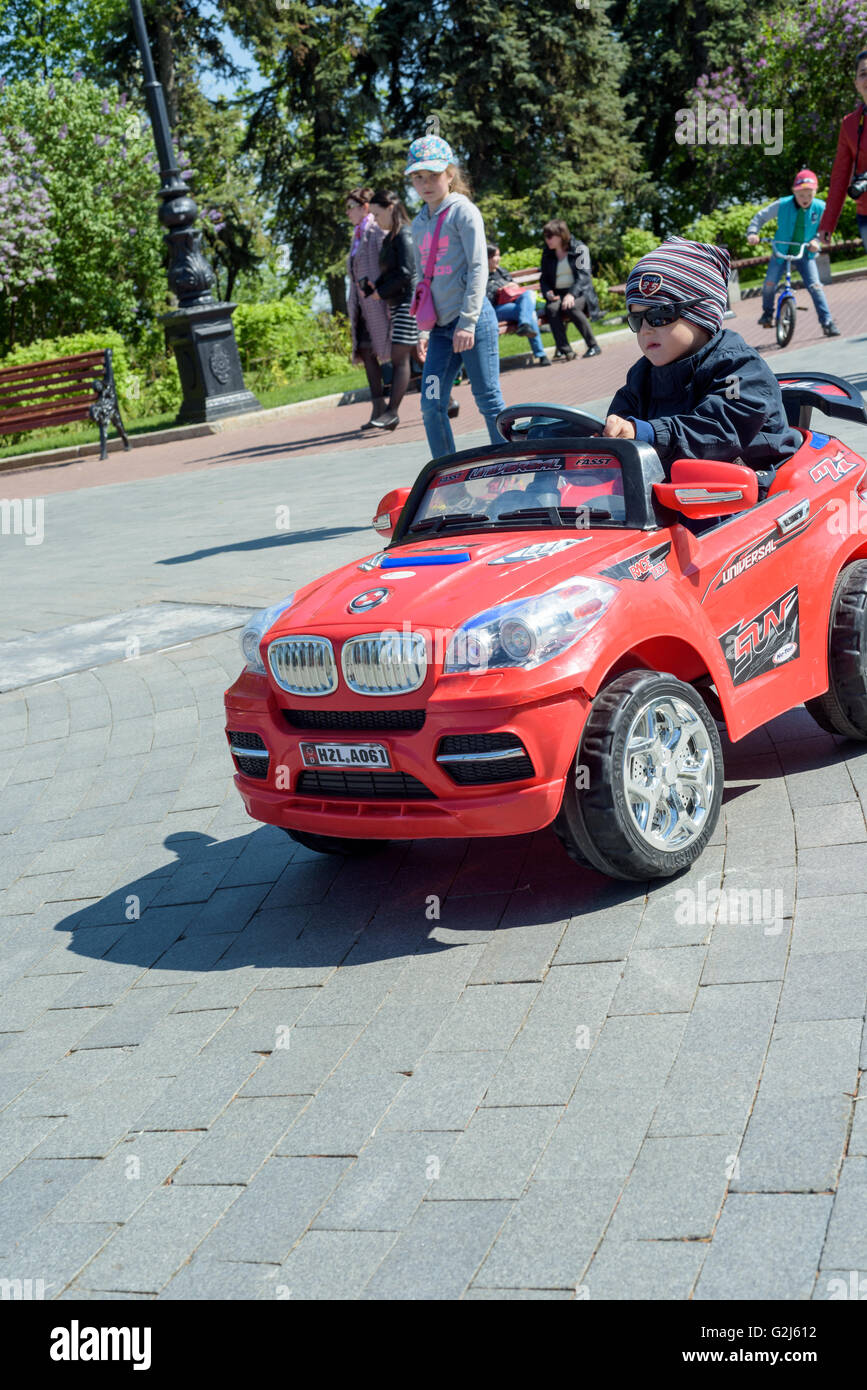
x: 99, y: 177
x: 41, y: 37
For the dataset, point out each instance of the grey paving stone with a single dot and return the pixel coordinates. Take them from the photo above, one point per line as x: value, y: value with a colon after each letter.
x: 827, y: 985
x: 546, y: 1058
x: 222, y: 989
x: 28, y: 999
x: 811, y: 1059
x: 175, y: 1040
x: 240, y: 1141
x: 133, y: 1017
x: 605, y: 932
x: 439, y: 1252
x: 199, y: 1093
x: 741, y: 953
x: 842, y: 824
x: 793, y: 1145
x: 343, y: 1115
x: 617, y: 1092
x: 19, y: 1136
x: 659, y: 981
x: 227, y: 909
x: 438, y: 971
x: 225, y: 1280
x: 334, y: 1264
x: 495, y: 1156
x: 394, y: 1172
x: 46, y: 1041
x: 519, y: 953
x: 682, y: 914
x: 96, y: 1123
x: 828, y: 924
x: 647, y: 1270
x: 395, y: 1038
x: 478, y: 1295
x: 158, y: 1238
x: 120, y: 1183
x: 69, y: 1081
x: 262, y: 1022
x: 765, y: 1247
x: 846, y: 1245
x: 303, y: 1061
x: 443, y: 1093
x: 819, y: 871
x: 485, y: 1017
x: 275, y: 1210
x: 550, y: 1235
x: 30, y: 1192
x: 353, y: 994
x: 713, y: 1081
x: 676, y: 1189
x: 59, y: 1252
x: 858, y: 1137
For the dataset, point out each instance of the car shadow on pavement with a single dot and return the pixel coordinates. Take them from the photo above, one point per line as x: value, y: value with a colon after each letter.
x: 316, y: 533
x: 250, y: 901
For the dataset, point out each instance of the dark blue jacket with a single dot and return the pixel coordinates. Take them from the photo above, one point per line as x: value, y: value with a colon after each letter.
x: 722, y: 402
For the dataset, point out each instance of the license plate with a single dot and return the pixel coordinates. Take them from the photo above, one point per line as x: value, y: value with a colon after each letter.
x: 358, y: 755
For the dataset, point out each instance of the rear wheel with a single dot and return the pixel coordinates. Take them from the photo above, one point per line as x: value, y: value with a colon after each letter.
x: 786, y: 322
x: 843, y: 707
x: 646, y: 790
x: 333, y: 844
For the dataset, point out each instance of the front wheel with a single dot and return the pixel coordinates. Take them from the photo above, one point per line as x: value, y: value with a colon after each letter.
x: 645, y: 794
x: 333, y: 844
x: 785, y: 322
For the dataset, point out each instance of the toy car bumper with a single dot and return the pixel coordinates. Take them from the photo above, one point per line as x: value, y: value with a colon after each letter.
x: 473, y: 772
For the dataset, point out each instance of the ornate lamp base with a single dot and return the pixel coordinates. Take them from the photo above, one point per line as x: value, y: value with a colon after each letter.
x: 203, y: 341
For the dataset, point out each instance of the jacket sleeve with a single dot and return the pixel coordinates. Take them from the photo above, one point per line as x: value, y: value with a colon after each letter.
x: 840, y: 179
x: 394, y: 283
x: 764, y: 215
x: 738, y: 399
x: 626, y: 402
x: 470, y: 229
x: 545, y: 283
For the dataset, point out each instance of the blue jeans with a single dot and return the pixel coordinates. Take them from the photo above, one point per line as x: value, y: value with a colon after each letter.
x: 482, y: 366
x: 523, y: 312
x: 862, y: 228
x: 809, y: 273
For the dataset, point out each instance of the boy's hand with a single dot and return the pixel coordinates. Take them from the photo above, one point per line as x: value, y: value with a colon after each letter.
x: 752, y: 239
x: 618, y: 428
x: 814, y: 245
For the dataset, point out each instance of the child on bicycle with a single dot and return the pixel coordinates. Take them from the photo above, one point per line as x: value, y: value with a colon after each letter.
x: 798, y: 220
x: 698, y: 391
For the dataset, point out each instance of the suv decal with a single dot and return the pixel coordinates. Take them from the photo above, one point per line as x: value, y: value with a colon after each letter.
x: 756, y: 645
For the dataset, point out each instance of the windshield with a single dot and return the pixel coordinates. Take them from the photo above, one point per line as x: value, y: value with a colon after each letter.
x: 513, y: 494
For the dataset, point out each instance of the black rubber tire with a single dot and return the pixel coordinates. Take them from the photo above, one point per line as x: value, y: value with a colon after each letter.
x: 593, y: 823
x: 786, y: 322
x: 843, y: 707
x: 332, y: 844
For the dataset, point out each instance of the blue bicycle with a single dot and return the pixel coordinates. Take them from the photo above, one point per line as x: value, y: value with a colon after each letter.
x: 787, y: 304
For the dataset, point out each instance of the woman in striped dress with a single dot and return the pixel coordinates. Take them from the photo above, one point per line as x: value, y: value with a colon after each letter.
x: 395, y: 285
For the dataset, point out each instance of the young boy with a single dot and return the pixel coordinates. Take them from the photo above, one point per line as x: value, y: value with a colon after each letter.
x: 698, y: 391
x: 798, y: 221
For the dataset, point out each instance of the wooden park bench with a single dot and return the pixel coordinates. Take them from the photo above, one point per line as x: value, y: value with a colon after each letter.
x: 60, y: 391
x: 529, y: 280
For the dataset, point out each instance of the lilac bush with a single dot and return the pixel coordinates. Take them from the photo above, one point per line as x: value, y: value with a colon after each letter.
x: 27, y: 241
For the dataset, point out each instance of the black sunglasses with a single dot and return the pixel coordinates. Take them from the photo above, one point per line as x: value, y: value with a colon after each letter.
x: 660, y: 315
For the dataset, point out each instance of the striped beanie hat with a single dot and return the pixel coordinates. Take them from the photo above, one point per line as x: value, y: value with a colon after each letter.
x: 679, y: 270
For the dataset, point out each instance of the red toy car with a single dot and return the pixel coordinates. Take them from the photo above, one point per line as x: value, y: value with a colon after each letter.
x: 551, y: 637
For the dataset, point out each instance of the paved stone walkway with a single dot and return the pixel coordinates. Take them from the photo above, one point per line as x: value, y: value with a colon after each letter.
x: 232, y: 1068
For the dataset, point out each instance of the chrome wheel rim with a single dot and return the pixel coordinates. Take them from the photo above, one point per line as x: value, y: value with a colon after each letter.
x: 668, y: 773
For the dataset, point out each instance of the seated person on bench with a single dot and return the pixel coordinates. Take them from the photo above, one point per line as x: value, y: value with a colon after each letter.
x: 698, y: 391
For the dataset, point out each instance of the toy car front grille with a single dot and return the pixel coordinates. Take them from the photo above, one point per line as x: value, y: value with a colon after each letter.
x: 364, y: 786
x: 303, y: 665
x: 249, y: 752
x: 411, y: 719
x: 480, y: 759
x: 385, y: 663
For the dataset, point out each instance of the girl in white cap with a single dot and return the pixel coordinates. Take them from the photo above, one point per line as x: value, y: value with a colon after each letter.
x: 466, y: 330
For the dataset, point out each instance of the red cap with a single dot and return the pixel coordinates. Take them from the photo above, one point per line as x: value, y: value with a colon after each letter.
x: 805, y: 179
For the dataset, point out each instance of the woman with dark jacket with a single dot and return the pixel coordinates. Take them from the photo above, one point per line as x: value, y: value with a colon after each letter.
x: 368, y: 319
x: 566, y: 283
x: 394, y: 286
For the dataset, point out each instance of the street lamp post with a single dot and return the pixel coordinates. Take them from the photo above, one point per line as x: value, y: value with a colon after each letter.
x: 200, y: 330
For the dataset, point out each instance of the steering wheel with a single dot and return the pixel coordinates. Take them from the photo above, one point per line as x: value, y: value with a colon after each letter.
x: 585, y: 424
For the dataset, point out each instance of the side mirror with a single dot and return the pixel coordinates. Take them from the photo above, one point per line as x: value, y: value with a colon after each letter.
x: 389, y: 510
x: 701, y: 488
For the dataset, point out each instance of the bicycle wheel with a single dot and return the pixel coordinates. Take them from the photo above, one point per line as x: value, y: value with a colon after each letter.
x: 785, y: 322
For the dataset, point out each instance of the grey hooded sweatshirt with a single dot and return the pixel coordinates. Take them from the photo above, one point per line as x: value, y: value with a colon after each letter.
x: 461, y: 271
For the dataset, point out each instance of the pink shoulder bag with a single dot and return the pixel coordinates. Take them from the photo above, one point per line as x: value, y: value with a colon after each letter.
x: 422, y: 307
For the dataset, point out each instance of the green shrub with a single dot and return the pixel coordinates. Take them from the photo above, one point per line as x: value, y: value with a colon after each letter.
x: 282, y: 341
x: 524, y: 259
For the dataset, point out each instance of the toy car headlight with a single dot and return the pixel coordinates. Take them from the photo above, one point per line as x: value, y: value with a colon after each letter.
x: 255, y: 630
x: 528, y: 632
